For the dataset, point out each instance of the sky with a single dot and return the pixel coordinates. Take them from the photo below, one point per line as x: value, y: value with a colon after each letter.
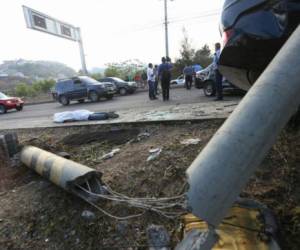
x: 112, y: 30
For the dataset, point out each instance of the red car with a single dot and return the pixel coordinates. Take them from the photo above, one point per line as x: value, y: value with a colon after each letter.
x: 7, y: 103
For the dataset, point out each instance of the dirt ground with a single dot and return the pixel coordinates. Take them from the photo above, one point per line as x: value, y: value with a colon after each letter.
x: 35, y: 214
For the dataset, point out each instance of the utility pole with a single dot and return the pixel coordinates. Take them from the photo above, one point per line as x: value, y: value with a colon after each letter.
x: 166, y: 27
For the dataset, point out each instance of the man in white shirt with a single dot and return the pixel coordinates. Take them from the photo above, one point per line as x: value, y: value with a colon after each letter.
x: 151, y: 81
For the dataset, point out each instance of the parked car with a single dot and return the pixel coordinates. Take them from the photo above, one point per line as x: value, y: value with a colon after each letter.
x: 207, y: 78
x: 123, y: 87
x: 253, y: 32
x: 180, y: 80
x: 7, y: 103
x: 81, y: 88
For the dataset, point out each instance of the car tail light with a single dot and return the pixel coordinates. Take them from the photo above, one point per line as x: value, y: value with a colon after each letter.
x: 226, y: 36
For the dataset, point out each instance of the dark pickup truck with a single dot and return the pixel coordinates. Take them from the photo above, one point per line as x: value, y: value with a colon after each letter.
x: 81, y: 88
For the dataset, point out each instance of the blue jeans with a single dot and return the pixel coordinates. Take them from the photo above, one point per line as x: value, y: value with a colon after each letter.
x: 151, y: 89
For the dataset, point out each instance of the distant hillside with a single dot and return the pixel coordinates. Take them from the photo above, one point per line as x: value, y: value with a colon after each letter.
x: 35, y: 70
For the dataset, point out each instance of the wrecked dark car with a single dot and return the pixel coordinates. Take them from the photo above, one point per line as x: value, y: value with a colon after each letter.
x: 253, y: 31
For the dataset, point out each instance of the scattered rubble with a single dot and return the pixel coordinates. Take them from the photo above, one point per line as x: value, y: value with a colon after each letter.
x: 191, y: 141
x: 154, y: 153
x: 88, y: 215
x: 110, y: 154
x: 158, y: 238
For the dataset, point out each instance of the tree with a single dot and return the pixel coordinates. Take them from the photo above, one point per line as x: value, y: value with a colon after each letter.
x: 125, y: 70
x: 190, y: 56
x: 203, y: 56
x: 96, y: 76
x: 187, y: 54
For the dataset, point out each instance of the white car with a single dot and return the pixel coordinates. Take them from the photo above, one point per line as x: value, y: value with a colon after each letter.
x: 180, y: 81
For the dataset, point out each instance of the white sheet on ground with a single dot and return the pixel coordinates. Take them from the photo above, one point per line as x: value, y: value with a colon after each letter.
x: 77, y: 115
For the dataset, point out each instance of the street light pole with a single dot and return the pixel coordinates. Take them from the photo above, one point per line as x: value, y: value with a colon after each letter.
x: 166, y: 28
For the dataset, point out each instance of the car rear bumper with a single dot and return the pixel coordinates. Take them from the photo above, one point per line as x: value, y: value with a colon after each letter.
x: 254, y: 37
x: 106, y: 92
x: 250, y: 53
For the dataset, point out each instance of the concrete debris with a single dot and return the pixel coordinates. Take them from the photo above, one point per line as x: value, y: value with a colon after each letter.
x: 110, y: 154
x: 154, y: 153
x: 143, y: 136
x: 158, y: 238
x: 88, y: 215
x: 140, y: 137
x: 191, y: 141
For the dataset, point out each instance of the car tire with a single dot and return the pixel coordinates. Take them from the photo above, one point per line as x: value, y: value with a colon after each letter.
x: 93, y: 96
x: 123, y: 91
x: 109, y: 97
x: 81, y: 101
x: 2, y: 109
x: 209, y: 88
x: 198, y: 84
x: 20, y: 108
x: 64, y: 100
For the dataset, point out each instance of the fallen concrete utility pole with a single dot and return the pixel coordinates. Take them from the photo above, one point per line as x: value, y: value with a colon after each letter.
x: 221, y: 171
x: 62, y: 172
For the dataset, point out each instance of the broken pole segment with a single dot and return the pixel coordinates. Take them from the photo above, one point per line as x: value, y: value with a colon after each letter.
x: 64, y: 173
x: 221, y: 171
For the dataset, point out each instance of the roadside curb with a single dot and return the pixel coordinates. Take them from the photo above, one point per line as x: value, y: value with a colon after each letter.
x: 123, y: 123
x: 36, y: 103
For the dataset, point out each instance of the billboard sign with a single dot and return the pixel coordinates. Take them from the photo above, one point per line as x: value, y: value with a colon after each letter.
x: 42, y: 22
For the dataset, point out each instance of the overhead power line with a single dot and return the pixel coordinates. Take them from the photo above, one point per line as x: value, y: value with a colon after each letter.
x: 175, y: 19
x: 194, y: 17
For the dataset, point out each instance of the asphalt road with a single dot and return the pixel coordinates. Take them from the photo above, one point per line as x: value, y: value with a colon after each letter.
x: 118, y: 103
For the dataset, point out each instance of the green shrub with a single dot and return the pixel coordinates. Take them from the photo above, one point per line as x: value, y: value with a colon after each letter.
x: 22, y: 89
x: 26, y: 90
x: 46, y: 85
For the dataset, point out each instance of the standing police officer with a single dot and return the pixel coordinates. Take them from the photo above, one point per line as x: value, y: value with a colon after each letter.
x: 218, y: 76
x: 164, y: 73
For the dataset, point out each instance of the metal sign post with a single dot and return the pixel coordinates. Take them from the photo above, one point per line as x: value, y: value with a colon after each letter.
x: 82, y: 55
x: 41, y: 22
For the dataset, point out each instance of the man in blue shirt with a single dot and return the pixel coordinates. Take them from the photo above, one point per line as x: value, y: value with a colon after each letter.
x: 164, y: 74
x: 218, y: 76
x: 188, y: 72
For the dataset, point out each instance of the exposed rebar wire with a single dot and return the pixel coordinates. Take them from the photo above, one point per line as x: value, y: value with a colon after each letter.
x: 160, y: 206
